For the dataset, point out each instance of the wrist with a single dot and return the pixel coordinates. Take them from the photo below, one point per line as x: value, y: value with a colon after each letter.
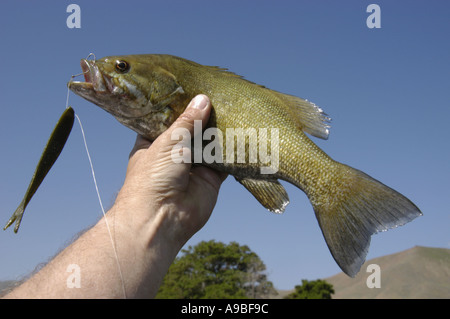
x: 146, y: 247
x: 148, y: 226
x: 145, y: 215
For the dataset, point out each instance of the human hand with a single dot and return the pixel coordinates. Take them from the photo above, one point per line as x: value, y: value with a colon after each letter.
x: 160, y: 206
x: 155, y: 184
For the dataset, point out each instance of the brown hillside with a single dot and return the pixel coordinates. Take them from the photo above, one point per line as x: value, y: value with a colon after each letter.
x: 419, y: 272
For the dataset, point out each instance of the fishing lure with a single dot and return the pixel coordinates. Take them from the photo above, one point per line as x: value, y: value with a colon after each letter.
x: 54, y: 147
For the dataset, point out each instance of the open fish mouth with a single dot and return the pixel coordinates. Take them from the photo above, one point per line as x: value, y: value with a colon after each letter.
x: 109, y: 91
x: 95, y: 80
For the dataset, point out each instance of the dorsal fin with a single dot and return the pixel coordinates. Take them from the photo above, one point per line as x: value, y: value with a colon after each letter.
x: 309, y: 117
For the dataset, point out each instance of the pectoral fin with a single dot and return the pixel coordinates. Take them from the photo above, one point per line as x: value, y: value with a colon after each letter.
x: 165, y: 88
x: 271, y: 194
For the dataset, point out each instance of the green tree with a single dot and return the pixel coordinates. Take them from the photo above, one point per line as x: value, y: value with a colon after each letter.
x: 216, y: 270
x: 315, y: 289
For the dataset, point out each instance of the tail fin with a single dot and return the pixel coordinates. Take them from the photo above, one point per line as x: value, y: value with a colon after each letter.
x: 362, y: 206
x: 16, y: 217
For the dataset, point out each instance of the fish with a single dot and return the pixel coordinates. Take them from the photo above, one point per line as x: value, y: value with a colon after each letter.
x: 147, y: 93
x: 50, y: 154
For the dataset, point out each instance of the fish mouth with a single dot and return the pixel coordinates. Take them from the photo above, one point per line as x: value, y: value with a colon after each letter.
x: 106, y: 92
x: 95, y: 80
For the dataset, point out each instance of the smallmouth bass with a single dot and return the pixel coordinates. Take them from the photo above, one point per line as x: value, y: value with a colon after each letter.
x: 148, y: 92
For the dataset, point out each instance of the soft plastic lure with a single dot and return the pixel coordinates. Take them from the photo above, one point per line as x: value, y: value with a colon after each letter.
x: 54, y: 147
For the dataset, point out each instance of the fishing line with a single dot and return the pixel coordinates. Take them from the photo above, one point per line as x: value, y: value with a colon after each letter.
x: 96, y: 189
x: 91, y: 54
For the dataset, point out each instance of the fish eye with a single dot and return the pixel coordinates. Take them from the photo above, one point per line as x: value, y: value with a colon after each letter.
x: 122, y: 66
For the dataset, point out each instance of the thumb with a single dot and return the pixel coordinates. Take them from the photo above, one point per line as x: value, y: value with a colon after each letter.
x: 197, y: 110
x: 175, y: 142
x: 168, y: 159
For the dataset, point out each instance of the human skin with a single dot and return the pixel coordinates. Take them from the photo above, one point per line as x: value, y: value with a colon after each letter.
x: 159, y: 207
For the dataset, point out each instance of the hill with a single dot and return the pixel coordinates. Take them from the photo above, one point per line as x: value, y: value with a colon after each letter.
x: 419, y: 272
x: 6, y: 286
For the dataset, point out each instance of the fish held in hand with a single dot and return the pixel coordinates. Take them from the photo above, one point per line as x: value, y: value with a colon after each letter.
x: 148, y: 92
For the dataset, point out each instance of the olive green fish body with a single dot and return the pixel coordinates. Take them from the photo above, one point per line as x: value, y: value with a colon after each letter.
x: 239, y: 103
x: 148, y: 92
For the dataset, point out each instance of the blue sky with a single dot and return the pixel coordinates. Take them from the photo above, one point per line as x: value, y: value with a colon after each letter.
x: 387, y: 91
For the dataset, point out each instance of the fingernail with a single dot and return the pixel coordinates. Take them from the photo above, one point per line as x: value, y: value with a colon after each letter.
x: 199, y: 102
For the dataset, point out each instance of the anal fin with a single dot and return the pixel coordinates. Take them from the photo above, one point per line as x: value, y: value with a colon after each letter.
x: 271, y: 194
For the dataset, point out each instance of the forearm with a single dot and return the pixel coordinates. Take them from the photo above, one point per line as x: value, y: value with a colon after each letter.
x: 160, y: 206
x: 143, y: 251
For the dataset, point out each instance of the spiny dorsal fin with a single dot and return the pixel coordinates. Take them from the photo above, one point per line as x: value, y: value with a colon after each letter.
x: 271, y: 194
x: 309, y: 117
